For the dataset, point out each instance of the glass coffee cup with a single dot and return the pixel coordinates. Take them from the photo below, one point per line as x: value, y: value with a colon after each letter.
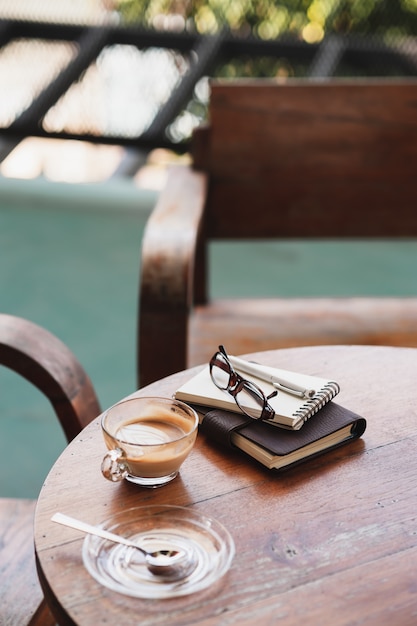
x: 148, y: 439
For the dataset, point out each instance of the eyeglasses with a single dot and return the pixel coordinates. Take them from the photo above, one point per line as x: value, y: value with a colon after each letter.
x: 250, y: 399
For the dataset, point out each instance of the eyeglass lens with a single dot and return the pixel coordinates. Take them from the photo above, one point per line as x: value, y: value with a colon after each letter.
x: 248, y: 397
x: 221, y: 371
x: 249, y: 400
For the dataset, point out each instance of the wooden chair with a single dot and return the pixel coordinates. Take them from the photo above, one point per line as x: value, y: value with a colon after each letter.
x: 299, y: 159
x: 47, y: 363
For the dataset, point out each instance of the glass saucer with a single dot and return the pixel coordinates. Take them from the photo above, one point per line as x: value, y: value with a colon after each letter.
x: 123, y: 568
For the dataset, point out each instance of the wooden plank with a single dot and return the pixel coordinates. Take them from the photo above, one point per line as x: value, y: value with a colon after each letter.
x: 249, y: 325
x: 313, y: 159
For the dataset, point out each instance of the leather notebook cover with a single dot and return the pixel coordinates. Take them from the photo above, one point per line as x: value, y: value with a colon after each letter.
x: 332, y: 426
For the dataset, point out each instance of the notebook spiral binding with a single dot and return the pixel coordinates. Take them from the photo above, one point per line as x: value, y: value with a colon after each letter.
x: 322, y: 397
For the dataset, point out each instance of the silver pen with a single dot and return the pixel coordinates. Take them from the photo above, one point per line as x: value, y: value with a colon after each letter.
x: 278, y: 382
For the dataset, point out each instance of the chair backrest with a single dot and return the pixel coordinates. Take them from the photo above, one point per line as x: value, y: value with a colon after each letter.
x: 297, y: 159
x: 310, y: 159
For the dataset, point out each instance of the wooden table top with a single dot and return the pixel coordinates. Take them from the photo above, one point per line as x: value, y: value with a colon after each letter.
x: 333, y: 540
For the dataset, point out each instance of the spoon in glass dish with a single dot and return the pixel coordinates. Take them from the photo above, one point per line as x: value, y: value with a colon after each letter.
x: 169, y: 563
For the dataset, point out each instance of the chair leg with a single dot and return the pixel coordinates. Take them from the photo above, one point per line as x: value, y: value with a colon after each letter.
x: 43, y: 616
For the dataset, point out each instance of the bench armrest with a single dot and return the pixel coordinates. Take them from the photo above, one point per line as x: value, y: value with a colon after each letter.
x: 166, y: 295
x: 42, y: 359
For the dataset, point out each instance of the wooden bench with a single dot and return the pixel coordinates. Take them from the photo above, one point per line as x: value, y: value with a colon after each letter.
x: 298, y: 159
x: 45, y: 362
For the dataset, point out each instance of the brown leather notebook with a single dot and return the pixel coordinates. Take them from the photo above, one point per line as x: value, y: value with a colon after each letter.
x: 277, y: 448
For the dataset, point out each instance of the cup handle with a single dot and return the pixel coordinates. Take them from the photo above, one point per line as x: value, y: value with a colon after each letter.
x: 112, y: 467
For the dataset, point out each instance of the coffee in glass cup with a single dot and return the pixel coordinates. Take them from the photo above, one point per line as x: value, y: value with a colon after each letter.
x: 148, y: 439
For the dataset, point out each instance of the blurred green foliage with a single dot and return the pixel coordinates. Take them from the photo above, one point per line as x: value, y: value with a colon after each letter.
x: 390, y: 23
x: 309, y: 20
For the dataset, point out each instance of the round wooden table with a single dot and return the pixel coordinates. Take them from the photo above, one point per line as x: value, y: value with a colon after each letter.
x: 332, y: 541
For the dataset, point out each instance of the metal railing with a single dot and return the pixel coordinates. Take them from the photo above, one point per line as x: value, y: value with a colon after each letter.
x: 205, y: 55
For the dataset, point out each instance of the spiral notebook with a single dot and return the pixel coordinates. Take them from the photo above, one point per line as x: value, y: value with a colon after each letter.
x: 290, y: 411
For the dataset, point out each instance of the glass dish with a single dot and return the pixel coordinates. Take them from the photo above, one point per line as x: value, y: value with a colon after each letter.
x: 123, y: 569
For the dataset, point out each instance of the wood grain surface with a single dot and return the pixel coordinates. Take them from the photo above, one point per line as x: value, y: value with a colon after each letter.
x: 331, y: 541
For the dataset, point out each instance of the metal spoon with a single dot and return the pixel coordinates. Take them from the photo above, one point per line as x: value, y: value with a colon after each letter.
x: 173, y: 564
